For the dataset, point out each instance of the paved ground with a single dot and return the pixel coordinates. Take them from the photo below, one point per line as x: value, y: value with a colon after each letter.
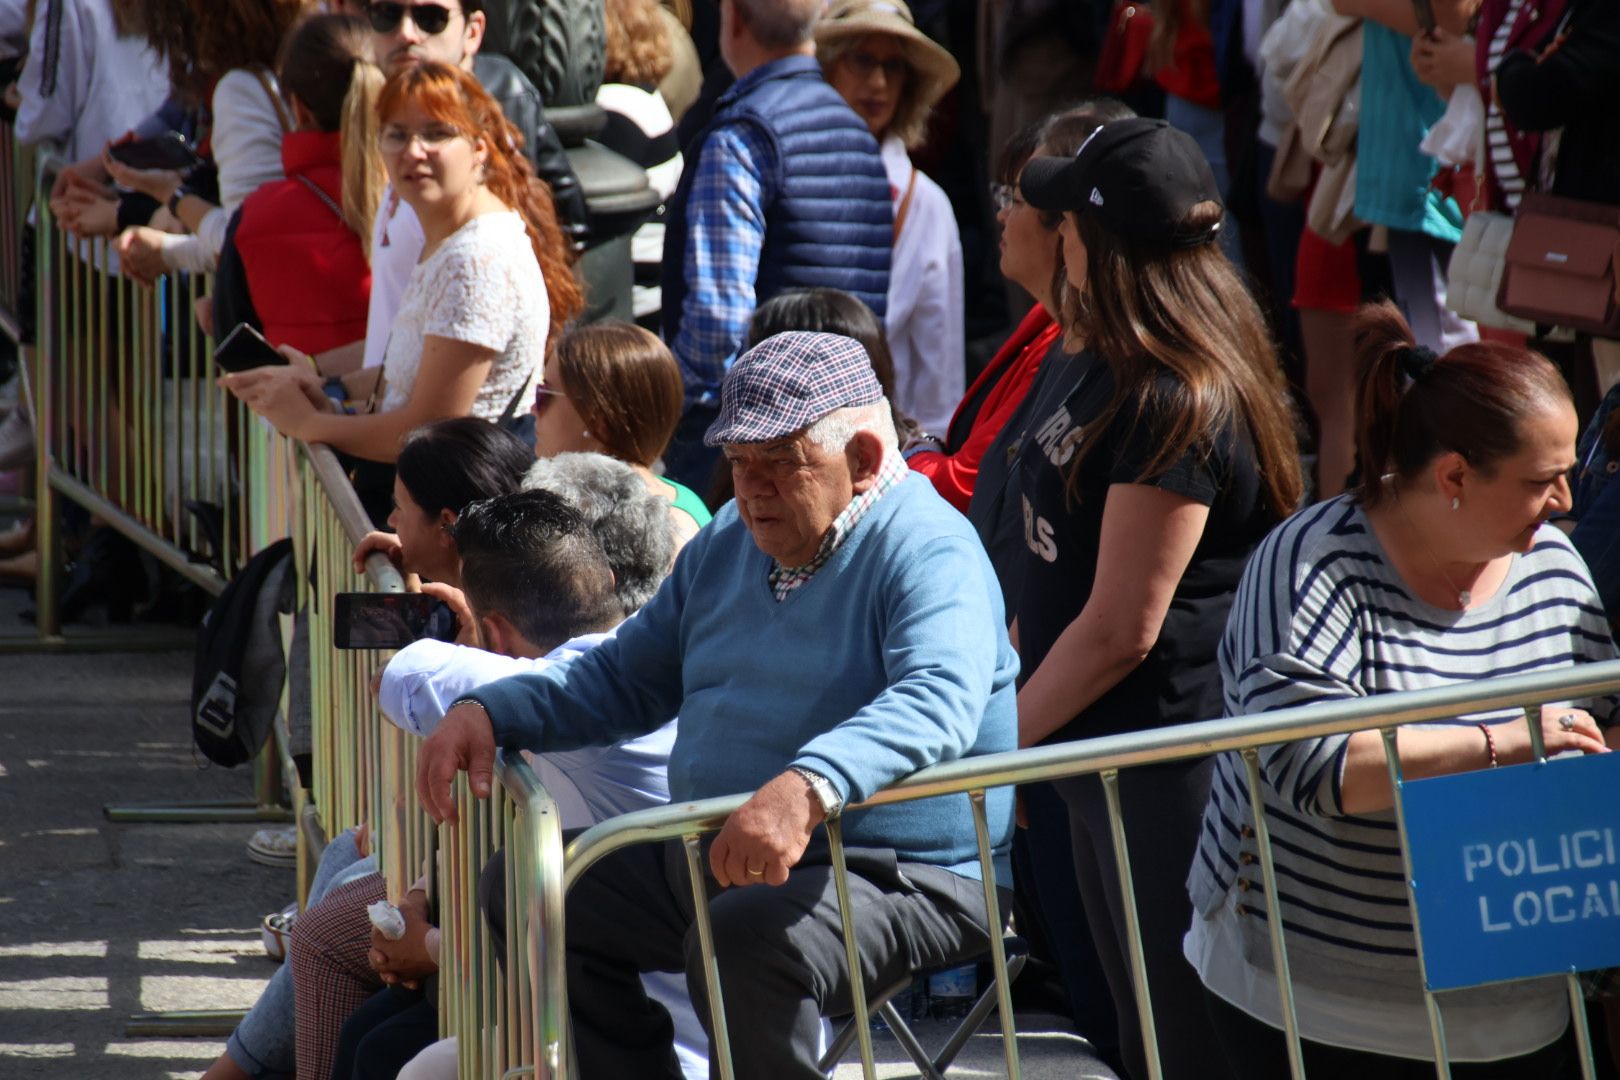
x: 100, y: 921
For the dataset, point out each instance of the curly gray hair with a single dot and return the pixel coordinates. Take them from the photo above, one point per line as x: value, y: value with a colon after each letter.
x: 631, y: 523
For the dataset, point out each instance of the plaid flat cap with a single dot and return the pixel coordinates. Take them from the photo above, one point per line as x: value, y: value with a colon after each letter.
x: 788, y: 382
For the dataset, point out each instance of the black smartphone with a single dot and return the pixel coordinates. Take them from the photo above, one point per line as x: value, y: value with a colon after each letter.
x: 166, y: 151
x: 1424, y: 10
x: 365, y: 620
x: 244, y: 349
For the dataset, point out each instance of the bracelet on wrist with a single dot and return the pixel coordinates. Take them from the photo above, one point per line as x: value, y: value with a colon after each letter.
x: 173, y: 202
x: 1490, y: 744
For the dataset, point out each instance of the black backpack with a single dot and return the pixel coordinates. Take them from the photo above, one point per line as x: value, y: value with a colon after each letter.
x: 239, y: 668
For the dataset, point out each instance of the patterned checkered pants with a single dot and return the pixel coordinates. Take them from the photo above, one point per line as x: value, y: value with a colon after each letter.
x: 331, y: 972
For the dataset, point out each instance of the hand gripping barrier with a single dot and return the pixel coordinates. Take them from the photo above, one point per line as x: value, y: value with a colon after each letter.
x: 521, y: 814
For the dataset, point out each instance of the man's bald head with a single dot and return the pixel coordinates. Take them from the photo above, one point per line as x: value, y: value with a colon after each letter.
x: 780, y: 24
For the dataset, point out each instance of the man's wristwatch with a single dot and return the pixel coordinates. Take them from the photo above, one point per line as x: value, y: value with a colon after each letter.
x: 827, y: 795
x: 174, y: 201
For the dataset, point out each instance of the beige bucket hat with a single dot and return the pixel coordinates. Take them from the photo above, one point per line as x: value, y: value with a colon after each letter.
x: 936, y: 70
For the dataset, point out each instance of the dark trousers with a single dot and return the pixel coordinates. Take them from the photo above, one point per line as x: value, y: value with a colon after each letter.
x: 780, y: 952
x: 384, y: 1034
x: 1049, y: 897
x: 1163, y: 806
x: 1258, y: 1051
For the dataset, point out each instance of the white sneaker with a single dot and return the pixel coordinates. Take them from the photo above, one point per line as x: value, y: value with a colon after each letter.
x: 276, y: 846
x: 276, y: 929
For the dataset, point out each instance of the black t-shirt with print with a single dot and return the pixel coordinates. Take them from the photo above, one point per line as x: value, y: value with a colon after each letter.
x: 1179, y: 681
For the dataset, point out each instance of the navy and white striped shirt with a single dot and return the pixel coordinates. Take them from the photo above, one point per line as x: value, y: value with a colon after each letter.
x: 1321, y: 614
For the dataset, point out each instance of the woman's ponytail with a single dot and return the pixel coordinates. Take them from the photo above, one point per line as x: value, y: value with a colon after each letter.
x: 1413, y: 406
x: 363, y: 176
x: 1383, y: 341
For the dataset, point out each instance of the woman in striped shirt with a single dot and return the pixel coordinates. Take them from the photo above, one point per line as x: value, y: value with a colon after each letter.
x: 1437, y: 569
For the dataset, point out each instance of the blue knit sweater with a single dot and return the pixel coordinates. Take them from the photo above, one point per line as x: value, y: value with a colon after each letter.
x: 891, y: 658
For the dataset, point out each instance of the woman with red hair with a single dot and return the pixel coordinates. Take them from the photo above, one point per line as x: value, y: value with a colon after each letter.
x: 471, y: 332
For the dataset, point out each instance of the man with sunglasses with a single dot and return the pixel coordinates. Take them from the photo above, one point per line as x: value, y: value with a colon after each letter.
x: 452, y: 32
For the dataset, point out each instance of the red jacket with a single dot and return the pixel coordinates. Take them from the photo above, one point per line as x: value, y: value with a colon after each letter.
x: 306, y: 269
x: 997, y: 392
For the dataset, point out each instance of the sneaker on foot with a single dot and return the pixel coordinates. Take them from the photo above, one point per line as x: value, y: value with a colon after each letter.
x: 276, y: 929
x: 274, y: 847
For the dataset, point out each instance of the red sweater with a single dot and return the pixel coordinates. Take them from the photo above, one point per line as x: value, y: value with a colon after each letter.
x: 306, y: 269
x: 998, y: 390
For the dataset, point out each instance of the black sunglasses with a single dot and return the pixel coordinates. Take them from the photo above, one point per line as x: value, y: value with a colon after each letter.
x: 429, y: 18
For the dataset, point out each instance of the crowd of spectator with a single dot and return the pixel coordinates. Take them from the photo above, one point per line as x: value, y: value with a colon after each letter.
x: 829, y: 511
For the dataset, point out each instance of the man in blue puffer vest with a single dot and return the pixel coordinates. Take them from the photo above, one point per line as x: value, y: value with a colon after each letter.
x: 834, y: 629
x: 785, y: 189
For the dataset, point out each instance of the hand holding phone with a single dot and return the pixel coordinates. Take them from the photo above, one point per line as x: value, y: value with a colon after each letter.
x: 244, y: 349
x: 168, y: 151
x: 386, y: 620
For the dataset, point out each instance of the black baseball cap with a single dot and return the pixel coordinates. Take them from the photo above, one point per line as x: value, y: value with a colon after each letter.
x: 1139, y: 176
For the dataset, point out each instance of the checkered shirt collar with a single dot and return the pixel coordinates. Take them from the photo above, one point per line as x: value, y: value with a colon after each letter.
x: 785, y: 579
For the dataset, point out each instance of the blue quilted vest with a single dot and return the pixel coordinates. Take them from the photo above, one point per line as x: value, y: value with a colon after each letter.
x: 828, y: 216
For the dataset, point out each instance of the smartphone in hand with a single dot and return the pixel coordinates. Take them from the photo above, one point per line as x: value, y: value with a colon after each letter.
x: 166, y: 151
x: 244, y: 349
x: 365, y: 620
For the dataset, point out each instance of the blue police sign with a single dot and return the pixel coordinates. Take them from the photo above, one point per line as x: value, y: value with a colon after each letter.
x: 1517, y: 871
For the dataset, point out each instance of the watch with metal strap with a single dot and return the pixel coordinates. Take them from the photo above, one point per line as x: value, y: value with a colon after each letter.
x: 827, y: 795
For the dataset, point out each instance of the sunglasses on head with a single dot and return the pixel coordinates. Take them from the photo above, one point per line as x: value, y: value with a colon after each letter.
x: 429, y: 18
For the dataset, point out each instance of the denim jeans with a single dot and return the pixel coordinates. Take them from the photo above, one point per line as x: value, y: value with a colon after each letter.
x: 262, y: 1044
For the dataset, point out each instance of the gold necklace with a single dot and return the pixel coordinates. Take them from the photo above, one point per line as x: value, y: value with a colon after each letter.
x: 1464, y: 596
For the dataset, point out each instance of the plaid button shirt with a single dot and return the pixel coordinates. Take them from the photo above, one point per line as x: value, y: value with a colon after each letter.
x: 725, y: 221
x: 785, y: 579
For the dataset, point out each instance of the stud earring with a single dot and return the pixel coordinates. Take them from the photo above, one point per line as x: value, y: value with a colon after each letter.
x: 1456, y: 503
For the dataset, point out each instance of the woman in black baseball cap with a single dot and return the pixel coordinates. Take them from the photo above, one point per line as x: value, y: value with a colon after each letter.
x: 1145, y: 491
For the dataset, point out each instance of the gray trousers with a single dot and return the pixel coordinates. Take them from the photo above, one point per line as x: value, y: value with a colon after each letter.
x: 780, y: 951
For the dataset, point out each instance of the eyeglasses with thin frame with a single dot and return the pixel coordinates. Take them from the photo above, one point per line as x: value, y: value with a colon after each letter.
x: 1005, y: 197
x: 429, y: 18
x: 542, y: 397
x: 396, y: 139
x: 864, y: 63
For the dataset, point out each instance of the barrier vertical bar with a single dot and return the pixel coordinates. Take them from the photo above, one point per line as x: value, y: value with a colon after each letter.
x: 852, y: 955
x: 1133, y: 924
x: 1274, y: 919
x: 47, y: 338
x: 721, y: 1038
x: 998, y: 948
x: 1437, y: 1026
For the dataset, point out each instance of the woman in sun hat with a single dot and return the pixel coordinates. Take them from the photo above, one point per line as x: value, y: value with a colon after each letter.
x: 892, y: 75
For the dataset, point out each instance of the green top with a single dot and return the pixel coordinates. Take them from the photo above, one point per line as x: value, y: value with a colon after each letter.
x: 687, y: 500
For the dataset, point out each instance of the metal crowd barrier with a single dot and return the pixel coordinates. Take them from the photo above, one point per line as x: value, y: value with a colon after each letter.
x: 128, y: 422
x: 16, y: 192
x: 520, y: 815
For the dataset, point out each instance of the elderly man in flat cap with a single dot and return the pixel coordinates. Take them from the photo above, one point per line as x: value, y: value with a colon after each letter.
x: 834, y: 629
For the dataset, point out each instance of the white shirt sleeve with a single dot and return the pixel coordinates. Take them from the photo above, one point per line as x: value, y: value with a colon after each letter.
x: 55, y: 80
x: 422, y: 680
x: 247, y: 152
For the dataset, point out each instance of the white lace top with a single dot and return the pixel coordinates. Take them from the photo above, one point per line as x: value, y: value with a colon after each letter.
x: 483, y: 286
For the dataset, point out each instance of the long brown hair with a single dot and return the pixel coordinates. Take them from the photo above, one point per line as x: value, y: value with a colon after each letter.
x: 242, y: 33
x: 329, y: 66
x: 1413, y: 406
x: 454, y: 97
x: 625, y: 384
x: 1145, y: 310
